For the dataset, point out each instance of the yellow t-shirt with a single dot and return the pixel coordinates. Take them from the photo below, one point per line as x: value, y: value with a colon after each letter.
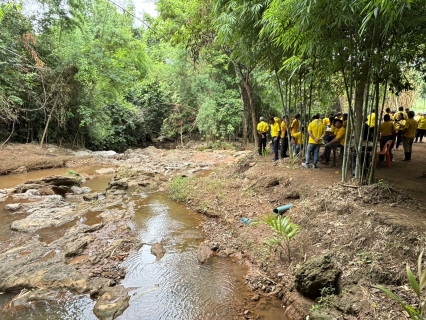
x: 294, y: 126
x: 275, y: 128
x: 283, y: 128
x: 299, y: 137
x: 262, y: 127
x: 326, y: 121
x: 387, y: 128
x: 340, y: 135
x: 399, y: 124
x: 317, y: 129
x: 345, y: 124
x: 371, y: 120
x: 422, y: 123
x: 410, y: 128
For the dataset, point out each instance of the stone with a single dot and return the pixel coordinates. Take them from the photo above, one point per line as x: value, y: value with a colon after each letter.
x: 104, y: 154
x: 13, y: 206
x: 90, y: 196
x: 74, y: 248
x: 105, y: 171
x: 46, y: 191
x: 76, y: 190
x: 86, y: 190
x: 203, y: 253
x: 32, y: 192
x: 111, y: 303
x: 20, y: 170
x: 44, y: 217
x: 158, y: 250
x: 316, y: 274
x: 118, y: 184
x: 57, y: 180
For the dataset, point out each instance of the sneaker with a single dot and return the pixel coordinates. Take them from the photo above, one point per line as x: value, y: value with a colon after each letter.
x: 325, y: 162
x: 275, y: 160
x: 304, y: 165
x: 314, y: 167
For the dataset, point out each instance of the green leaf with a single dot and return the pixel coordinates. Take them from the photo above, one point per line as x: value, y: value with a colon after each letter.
x: 413, y: 281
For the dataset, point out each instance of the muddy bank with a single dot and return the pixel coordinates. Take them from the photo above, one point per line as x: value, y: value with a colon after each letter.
x: 351, y: 239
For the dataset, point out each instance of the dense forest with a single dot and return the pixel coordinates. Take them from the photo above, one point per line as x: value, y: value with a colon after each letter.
x: 90, y: 73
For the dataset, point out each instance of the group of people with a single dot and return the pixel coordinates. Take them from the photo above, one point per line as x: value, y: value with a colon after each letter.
x: 402, y: 127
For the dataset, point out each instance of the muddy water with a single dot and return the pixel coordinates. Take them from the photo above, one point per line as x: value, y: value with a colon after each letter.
x: 174, y: 287
x: 177, y: 286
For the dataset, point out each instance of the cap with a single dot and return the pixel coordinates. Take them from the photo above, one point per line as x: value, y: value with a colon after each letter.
x: 261, y: 118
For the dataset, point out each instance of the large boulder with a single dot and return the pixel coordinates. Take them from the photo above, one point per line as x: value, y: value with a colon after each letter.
x: 316, y: 274
x: 50, y: 185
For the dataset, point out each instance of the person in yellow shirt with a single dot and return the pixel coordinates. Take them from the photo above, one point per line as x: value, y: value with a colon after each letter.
x: 399, y: 124
x: 388, y: 112
x: 401, y: 110
x: 295, y: 125
x: 284, y: 138
x: 275, y: 125
x: 262, y: 130
x: 408, y: 135
x: 371, y: 125
x: 387, y: 132
x: 421, y: 128
x: 337, y: 142
x: 298, y: 139
x: 316, y: 130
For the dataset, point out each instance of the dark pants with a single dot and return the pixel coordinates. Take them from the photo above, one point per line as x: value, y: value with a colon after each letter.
x: 419, y: 135
x: 284, y: 147
x: 276, y: 146
x: 262, y: 143
x: 328, y: 148
x: 398, y: 138
x: 383, y: 141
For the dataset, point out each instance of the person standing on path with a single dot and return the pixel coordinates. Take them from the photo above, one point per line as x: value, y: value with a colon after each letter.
x: 275, y: 125
x: 284, y: 138
x: 421, y: 128
x: 316, y: 131
x: 262, y: 130
x: 295, y: 124
x: 408, y: 135
x: 399, y: 127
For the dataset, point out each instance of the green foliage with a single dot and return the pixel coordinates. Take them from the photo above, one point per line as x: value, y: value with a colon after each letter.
x: 283, y: 229
x: 417, y: 286
x: 325, y: 299
x: 178, y: 189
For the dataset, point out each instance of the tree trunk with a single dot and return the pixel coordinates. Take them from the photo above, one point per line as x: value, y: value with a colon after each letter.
x: 48, y: 120
x: 245, y: 110
x: 246, y: 82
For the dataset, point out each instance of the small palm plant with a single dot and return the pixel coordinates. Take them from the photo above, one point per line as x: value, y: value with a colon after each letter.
x: 283, y: 228
x: 419, y: 312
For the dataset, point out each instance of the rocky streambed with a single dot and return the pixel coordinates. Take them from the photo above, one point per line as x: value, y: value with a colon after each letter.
x: 59, y: 238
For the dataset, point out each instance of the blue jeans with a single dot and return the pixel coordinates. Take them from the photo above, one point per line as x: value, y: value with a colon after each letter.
x: 314, y: 148
x: 276, y: 145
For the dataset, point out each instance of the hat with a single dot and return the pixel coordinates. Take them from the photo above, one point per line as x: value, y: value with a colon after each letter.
x: 261, y: 118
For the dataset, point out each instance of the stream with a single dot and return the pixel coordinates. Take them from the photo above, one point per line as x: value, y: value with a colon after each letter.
x: 173, y: 287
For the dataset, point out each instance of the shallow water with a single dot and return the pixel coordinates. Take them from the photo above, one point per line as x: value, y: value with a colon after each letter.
x: 174, y: 287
